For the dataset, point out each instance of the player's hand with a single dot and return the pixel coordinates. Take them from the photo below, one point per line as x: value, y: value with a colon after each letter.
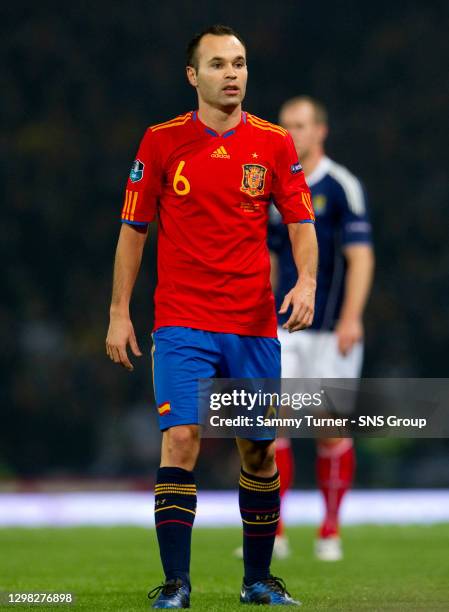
x: 349, y: 332
x: 120, y: 334
x: 302, y: 300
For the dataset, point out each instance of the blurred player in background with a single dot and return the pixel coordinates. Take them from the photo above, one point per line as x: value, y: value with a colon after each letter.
x: 209, y: 176
x: 333, y: 346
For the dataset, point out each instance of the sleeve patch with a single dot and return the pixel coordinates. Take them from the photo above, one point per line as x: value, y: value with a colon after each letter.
x: 137, y: 169
x: 295, y: 168
x: 358, y: 226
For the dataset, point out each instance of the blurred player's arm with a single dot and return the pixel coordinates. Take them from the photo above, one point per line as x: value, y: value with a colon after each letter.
x: 359, y: 279
x: 302, y: 296
x: 128, y: 257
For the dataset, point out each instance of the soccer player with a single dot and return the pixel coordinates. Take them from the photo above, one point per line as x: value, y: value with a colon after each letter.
x: 208, y: 176
x: 333, y: 346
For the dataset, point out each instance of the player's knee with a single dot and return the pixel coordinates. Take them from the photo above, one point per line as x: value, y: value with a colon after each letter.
x: 181, y: 446
x: 259, y: 459
x: 333, y: 442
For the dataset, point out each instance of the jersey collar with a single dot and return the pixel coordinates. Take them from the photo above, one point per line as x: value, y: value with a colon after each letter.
x: 207, y: 130
x: 320, y: 171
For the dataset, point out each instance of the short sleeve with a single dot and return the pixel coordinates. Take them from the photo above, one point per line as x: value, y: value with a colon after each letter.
x: 290, y: 191
x: 144, y: 183
x: 355, y: 222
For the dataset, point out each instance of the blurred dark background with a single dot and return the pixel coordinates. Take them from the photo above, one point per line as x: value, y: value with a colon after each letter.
x: 79, y: 86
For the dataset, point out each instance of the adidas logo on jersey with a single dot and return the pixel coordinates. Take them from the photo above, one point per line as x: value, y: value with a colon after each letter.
x: 221, y: 153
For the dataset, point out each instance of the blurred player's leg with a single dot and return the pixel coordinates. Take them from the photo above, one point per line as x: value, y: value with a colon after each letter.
x: 335, y: 463
x: 335, y: 471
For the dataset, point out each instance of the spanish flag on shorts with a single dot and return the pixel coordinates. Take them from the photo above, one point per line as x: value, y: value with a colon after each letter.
x: 164, y: 408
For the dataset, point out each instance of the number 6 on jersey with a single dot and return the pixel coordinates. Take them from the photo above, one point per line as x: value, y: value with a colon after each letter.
x: 179, y: 179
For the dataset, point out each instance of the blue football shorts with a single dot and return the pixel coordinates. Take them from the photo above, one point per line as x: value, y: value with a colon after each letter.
x: 182, y: 356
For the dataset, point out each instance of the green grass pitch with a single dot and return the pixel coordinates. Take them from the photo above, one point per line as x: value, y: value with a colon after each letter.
x: 385, y: 568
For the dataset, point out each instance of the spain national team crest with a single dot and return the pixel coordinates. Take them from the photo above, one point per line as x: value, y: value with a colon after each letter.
x: 253, y: 180
x: 137, y: 169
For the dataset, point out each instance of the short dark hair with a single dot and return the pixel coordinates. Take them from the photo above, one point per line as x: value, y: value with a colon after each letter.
x: 215, y: 30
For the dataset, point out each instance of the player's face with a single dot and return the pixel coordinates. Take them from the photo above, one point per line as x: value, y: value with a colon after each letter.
x: 307, y: 134
x: 221, y: 76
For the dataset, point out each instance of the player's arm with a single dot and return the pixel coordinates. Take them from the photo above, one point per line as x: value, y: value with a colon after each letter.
x: 274, y: 271
x: 358, y: 252
x: 294, y: 202
x: 128, y: 257
x: 359, y: 278
x: 139, y: 209
x: 302, y: 296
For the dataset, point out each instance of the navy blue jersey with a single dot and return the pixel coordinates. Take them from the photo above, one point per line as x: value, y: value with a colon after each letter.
x: 341, y: 213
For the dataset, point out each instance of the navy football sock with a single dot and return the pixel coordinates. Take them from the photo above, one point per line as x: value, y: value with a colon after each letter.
x: 259, y: 501
x: 174, y: 513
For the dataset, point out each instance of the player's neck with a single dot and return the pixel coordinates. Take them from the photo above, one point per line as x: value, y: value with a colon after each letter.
x: 219, y: 120
x: 312, y: 160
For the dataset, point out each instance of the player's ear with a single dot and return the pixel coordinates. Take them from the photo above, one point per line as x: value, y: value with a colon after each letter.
x: 191, y: 76
x: 323, y: 132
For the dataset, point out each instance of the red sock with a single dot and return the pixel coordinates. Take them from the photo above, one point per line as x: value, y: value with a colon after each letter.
x: 286, y: 468
x: 335, y: 470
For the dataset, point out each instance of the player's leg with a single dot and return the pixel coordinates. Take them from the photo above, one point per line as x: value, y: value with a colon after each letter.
x: 284, y: 452
x: 259, y: 502
x: 175, y: 499
x: 335, y: 465
x: 335, y: 462
x: 181, y: 356
x: 259, y: 498
x: 285, y: 466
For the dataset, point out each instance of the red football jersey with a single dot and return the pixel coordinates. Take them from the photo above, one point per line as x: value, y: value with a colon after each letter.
x: 211, y: 196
